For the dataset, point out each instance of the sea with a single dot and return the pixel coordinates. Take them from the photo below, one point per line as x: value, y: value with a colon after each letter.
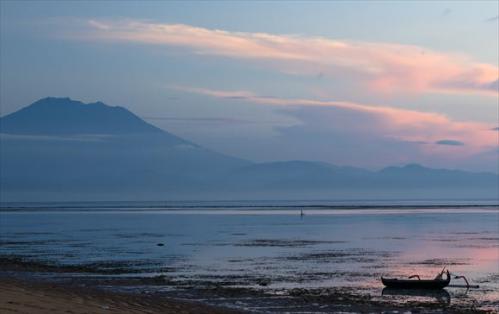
x: 272, y: 246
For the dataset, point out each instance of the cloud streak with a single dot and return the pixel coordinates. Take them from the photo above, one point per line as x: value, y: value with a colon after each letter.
x: 386, y: 122
x: 204, y: 120
x: 449, y: 142
x: 382, y: 67
x: 492, y: 19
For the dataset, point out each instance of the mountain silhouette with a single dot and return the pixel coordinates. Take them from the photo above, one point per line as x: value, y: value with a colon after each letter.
x: 58, y: 148
x: 62, y: 149
x: 65, y: 116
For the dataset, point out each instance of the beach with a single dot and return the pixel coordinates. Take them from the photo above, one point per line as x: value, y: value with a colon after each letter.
x: 29, y: 295
x: 25, y: 296
x: 259, y: 260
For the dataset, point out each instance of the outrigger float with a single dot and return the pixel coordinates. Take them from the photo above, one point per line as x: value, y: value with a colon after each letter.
x: 415, y: 282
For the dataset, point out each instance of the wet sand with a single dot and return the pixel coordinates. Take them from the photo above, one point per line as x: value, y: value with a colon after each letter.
x: 23, y: 296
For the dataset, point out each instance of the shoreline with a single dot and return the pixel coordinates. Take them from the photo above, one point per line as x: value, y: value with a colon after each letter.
x: 32, y: 287
x: 179, y: 205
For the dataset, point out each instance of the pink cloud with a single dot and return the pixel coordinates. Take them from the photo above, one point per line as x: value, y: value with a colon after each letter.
x: 390, y: 123
x: 383, y: 67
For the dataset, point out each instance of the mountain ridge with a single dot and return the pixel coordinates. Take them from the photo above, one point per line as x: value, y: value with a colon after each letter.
x: 109, y: 152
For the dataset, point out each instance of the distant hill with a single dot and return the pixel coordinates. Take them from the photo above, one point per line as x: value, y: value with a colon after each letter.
x: 61, y: 149
x: 297, y: 175
x: 323, y: 180
x: 414, y: 175
x: 58, y: 148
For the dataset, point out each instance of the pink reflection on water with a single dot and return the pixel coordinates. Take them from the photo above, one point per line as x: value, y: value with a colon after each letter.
x: 428, y: 259
x: 477, y: 258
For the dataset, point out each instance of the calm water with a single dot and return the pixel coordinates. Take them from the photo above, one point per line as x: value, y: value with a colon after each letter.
x: 241, y: 245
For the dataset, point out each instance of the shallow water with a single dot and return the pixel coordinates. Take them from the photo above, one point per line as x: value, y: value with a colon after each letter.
x: 271, y: 249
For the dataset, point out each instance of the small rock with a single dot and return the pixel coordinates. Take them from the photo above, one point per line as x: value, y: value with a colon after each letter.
x: 160, y: 244
x: 263, y: 282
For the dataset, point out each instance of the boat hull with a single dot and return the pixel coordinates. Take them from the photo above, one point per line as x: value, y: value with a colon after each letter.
x: 415, y: 283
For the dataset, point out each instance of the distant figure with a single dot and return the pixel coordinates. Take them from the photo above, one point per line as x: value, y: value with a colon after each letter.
x: 301, y: 213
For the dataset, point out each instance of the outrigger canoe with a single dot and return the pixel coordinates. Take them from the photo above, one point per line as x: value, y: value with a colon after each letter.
x: 418, y: 283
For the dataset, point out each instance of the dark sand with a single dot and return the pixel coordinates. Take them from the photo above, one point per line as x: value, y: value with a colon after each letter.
x: 23, y: 296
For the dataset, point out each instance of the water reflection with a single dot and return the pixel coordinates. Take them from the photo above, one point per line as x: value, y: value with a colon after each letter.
x: 436, y: 296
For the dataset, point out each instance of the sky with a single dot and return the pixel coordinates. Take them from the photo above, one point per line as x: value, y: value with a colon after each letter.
x: 366, y: 84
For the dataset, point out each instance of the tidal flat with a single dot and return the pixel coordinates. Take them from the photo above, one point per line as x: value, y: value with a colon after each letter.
x: 264, y: 259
